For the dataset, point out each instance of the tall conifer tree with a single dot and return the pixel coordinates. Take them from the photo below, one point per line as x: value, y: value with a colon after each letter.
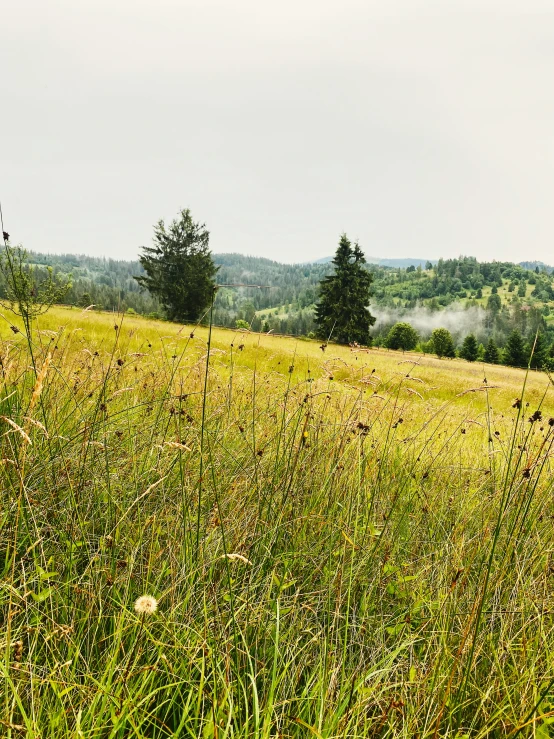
x: 469, y: 350
x: 491, y: 352
x: 540, y: 352
x: 179, y: 268
x: 515, y: 354
x: 342, y: 311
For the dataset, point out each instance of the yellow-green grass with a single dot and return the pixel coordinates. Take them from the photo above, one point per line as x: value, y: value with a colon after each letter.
x: 465, y: 386
x: 342, y: 542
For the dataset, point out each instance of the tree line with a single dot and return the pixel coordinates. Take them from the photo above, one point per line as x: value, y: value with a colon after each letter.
x: 517, y: 352
x: 178, y: 278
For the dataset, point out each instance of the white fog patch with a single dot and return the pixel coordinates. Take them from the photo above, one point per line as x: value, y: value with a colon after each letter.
x: 458, y: 320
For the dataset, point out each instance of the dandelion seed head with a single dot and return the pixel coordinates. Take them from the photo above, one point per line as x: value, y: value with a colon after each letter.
x: 146, y: 604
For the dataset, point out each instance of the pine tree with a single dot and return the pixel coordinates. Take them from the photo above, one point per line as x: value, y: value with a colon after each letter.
x: 341, y: 313
x: 540, y: 352
x: 179, y: 268
x: 469, y: 350
x: 491, y: 353
x: 514, y: 353
x: 443, y: 344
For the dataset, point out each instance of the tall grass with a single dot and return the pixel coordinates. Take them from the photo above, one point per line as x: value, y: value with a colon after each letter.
x: 327, y: 561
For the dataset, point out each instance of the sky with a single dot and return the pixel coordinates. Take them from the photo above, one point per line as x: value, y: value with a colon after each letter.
x: 423, y: 128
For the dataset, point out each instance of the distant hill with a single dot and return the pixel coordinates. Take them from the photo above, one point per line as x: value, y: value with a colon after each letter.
x: 405, y: 263
x: 281, y: 297
x: 395, y: 263
x: 532, y: 265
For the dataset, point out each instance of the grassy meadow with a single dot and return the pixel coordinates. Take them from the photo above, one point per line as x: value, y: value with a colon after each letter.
x: 341, y: 543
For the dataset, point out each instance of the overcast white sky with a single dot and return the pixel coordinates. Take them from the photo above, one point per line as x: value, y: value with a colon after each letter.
x: 425, y: 128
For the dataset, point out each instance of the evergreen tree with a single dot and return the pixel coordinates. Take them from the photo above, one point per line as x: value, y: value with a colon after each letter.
x: 494, y: 303
x: 514, y: 353
x: 85, y: 300
x: 402, y: 336
x: 179, y: 268
x: 469, y: 350
x: 341, y: 312
x: 549, y: 361
x: 443, y: 344
x: 491, y: 353
x: 540, y: 352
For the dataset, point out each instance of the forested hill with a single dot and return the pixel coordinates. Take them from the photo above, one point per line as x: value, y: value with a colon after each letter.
x: 498, y: 295
x: 110, y: 285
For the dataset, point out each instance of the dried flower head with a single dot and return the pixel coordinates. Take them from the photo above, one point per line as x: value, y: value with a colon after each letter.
x: 146, y: 604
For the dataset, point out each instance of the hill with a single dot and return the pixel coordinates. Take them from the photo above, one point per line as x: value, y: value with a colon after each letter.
x: 394, y: 263
x: 455, y: 293
x: 536, y: 265
x: 256, y: 537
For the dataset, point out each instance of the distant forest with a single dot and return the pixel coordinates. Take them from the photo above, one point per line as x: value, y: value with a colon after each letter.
x: 501, y: 295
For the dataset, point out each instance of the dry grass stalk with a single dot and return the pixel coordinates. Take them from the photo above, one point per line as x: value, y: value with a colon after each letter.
x: 36, y: 423
x: 17, y: 428
x: 236, y: 556
x: 177, y: 445
x: 477, y: 390
x: 40, y: 382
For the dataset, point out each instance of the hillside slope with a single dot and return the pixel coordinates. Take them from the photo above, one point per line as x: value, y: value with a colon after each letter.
x: 209, y: 540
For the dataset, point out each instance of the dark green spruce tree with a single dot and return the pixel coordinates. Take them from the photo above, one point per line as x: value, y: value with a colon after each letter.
x: 539, y: 357
x: 342, y: 311
x: 514, y: 352
x: 179, y: 268
x: 491, y: 353
x: 469, y: 350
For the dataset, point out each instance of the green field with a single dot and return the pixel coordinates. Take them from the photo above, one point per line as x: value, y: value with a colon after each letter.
x: 341, y: 543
